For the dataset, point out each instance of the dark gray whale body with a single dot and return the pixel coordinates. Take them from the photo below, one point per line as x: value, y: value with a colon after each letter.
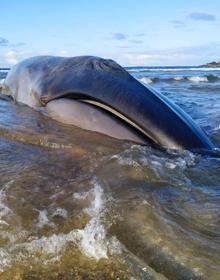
x: 105, y: 84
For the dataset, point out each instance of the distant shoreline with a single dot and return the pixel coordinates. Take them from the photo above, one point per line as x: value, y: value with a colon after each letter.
x: 213, y: 63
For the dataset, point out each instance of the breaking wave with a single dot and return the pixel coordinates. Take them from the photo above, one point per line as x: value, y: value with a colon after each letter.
x: 198, y: 79
x: 171, y: 69
x: 146, y: 80
x: 193, y: 79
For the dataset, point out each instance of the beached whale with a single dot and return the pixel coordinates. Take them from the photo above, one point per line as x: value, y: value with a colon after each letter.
x: 98, y: 94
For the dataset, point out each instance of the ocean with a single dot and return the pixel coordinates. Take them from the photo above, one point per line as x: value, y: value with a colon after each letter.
x: 76, y: 204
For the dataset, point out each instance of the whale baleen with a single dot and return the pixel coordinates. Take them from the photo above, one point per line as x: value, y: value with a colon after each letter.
x: 98, y: 94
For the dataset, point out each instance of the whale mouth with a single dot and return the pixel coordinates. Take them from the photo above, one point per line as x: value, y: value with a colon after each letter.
x: 100, y: 105
x: 95, y: 116
x: 120, y: 116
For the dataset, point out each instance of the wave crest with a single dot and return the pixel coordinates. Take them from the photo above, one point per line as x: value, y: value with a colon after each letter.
x: 194, y: 79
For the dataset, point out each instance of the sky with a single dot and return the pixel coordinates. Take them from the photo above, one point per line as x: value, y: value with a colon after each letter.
x: 141, y: 32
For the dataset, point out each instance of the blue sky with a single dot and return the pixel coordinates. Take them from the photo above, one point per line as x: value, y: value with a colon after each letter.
x: 141, y: 32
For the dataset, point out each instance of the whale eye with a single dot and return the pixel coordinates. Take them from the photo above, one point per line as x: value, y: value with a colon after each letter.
x: 111, y: 65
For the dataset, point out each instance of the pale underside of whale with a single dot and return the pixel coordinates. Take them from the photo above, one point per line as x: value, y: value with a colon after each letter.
x: 98, y: 94
x: 91, y: 117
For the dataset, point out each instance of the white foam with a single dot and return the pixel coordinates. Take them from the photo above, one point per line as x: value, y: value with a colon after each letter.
x: 3, y: 223
x: 174, y: 69
x: 178, y: 78
x: 43, y: 219
x: 60, y: 212
x: 145, y: 80
x: 170, y: 165
x: 198, y: 79
x: 4, y: 209
x: 98, y: 201
x: 158, y: 163
x: 81, y: 195
x: 217, y: 127
x: 5, y: 259
x: 135, y: 70
x: 126, y: 161
x: 91, y: 240
x: 2, y: 82
x: 139, y: 157
x: 51, y: 245
x: 96, y: 197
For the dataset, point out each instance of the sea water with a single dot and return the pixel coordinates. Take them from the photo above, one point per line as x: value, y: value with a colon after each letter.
x: 76, y: 204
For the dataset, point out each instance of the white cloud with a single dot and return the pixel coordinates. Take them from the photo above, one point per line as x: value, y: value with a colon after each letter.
x: 44, y: 52
x: 145, y: 59
x: 179, y: 56
x: 11, y: 57
x: 125, y: 56
x: 64, y: 52
x: 162, y: 57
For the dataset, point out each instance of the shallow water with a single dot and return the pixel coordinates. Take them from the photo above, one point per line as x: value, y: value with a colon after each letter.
x: 79, y: 205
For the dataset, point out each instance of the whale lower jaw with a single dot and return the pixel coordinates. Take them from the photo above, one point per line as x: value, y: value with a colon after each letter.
x: 95, y: 116
x: 87, y: 114
x: 120, y: 116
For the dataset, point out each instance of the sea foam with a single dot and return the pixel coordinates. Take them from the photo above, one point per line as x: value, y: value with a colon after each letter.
x: 146, y: 80
x: 92, y: 240
x: 198, y: 79
x: 4, y: 209
x: 172, y: 69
